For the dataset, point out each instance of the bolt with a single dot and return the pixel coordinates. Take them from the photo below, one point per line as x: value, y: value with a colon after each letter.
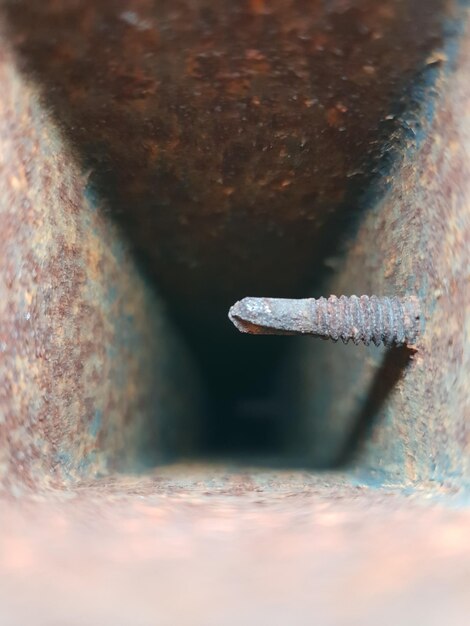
x: 391, y: 321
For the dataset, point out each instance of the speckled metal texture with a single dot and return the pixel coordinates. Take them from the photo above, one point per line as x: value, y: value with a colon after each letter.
x: 245, y: 128
x: 223, y: 137
x: 409, y: 416
x: 232, y: 143
x: 89, y: 365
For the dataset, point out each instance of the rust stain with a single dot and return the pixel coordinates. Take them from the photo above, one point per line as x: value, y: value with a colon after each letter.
x: 226, y: 140
x: 79, y: 349
x: 277, y: 101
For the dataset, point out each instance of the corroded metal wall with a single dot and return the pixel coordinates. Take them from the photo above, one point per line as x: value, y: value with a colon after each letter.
x: 233, y: 142
x: 227, y: 136
x: 90, y: 369
x: 234, y: 149
x: 407, y: 414
x: 230, y: 163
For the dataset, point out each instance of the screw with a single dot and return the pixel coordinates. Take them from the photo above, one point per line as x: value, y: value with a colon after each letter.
x: 391, y: 321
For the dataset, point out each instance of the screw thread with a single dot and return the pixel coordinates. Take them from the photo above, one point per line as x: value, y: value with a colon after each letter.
x: 365, y: 319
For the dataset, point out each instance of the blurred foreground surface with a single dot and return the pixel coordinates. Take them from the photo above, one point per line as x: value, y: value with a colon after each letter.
x: 231, y: 547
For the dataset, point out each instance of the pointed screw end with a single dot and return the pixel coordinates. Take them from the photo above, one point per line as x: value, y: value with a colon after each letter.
x: 243, y: 316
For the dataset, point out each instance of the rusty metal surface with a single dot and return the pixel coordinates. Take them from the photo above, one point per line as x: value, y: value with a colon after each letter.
x: 87, y: 355
x: 223, y: 141
x: 245, y: 129
x: 415, y: 413
x: 232, y: 145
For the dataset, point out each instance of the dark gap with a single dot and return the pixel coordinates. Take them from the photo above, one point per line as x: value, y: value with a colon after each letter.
x: 244, y: 416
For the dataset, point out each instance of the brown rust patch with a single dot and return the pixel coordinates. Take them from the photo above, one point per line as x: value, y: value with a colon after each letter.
x: 231, y: 142
x: 227, y: 137
x: 415, y: 240
x: 85, y: 350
